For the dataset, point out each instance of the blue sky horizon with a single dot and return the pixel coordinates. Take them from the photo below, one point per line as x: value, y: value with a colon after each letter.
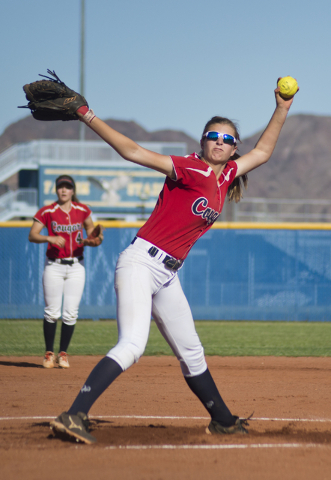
x: 173, y: 65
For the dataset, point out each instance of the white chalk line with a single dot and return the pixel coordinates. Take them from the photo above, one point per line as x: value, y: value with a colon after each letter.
x: 158, y: 417
x: 216, y: 447
x: 193, y: 447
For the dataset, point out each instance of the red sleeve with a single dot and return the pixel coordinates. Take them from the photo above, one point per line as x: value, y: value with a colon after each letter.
x: 42, y: 216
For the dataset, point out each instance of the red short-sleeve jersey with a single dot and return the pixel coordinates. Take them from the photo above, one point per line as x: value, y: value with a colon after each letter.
x: 68, y: 225
x: 188, y: 206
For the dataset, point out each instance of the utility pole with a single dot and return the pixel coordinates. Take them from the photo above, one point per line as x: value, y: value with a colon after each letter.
x: 82, y: 64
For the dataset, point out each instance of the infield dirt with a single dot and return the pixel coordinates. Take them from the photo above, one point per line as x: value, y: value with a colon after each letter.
x: 149, y: 425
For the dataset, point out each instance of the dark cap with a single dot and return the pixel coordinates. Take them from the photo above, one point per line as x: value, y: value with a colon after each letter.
x: 65, y: 179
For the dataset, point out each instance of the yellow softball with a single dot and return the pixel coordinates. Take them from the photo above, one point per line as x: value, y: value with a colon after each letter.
x: 288, y: 87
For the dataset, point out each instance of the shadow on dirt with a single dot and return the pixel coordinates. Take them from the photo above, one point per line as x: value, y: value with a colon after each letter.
x: 20, y: 364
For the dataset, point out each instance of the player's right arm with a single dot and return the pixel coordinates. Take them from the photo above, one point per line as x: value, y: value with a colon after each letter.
x: 267, y: 142
x: 130, y: 150
x: 36, y: 237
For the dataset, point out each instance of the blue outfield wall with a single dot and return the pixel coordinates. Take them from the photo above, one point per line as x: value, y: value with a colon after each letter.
x: 230, y: 274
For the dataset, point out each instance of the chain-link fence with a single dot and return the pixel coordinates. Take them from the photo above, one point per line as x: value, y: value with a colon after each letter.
x: 230, y: 274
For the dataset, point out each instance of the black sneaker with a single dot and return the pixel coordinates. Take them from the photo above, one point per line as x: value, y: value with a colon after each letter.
x: 216, y: 428
x: 75, y: 426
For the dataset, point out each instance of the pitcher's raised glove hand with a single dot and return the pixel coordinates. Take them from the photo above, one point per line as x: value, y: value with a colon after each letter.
x: 51, y: 99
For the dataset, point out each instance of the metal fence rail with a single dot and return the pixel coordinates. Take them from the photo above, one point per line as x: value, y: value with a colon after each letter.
x: 281, y: 210
x: 30, y: 155
x: 22, y: 202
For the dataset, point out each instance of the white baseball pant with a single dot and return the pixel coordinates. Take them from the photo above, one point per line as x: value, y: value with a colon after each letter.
x: 144, y: 287
x: 63, y: 282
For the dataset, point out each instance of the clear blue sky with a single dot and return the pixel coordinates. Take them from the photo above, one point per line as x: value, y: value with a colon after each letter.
x: 171, y: 64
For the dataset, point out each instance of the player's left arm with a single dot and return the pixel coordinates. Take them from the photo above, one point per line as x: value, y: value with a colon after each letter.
x: 88, y: 225
x: 130, y: 150
x: 267, y: 142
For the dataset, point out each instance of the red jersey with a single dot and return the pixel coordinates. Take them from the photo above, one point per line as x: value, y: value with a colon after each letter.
x: 68, y: 225
x: 188, y: 206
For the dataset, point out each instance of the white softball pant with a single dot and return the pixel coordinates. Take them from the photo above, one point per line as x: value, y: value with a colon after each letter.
x: 63, y: 282
x: 144, y: 287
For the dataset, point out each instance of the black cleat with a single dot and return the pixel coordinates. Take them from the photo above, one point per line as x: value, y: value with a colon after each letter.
x: 216, y: 428
x: 75, y: 426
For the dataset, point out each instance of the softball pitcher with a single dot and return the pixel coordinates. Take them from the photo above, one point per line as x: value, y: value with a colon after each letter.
x: 146, y: 279
x: 64, y: 272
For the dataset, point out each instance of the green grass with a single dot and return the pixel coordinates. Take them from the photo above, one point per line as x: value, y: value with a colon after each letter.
x: 293, y: 339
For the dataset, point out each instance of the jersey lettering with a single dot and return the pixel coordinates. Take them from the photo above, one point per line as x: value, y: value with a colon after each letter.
x: 66, y: 228
x: 209, y: 214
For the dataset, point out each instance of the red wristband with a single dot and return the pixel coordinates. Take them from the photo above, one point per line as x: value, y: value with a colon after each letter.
x: 84, y: 109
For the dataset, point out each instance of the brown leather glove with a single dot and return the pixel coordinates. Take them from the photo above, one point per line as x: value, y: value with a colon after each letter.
x: 95, y: 238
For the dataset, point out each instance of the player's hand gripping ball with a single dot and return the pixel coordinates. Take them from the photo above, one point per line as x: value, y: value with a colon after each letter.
x: 288, y: 87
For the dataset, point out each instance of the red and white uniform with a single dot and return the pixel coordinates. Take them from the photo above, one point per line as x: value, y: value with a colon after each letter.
x: 63, y: 283
x: 68, y: 225
x: 187, y: 207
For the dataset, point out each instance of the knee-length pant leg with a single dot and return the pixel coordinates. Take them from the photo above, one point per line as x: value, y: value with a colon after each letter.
x: 53, y: 281
x: 173, y: 317
x: 63, y: 283
x: 134, y: 287
x: 73, y: 289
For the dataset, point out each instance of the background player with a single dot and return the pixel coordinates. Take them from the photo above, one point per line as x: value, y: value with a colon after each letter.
x: 146, y: 273
x: 64, y: 272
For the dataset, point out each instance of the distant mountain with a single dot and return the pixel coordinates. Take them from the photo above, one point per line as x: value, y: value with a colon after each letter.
x: 29, y: 129
x: 300, y: 167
